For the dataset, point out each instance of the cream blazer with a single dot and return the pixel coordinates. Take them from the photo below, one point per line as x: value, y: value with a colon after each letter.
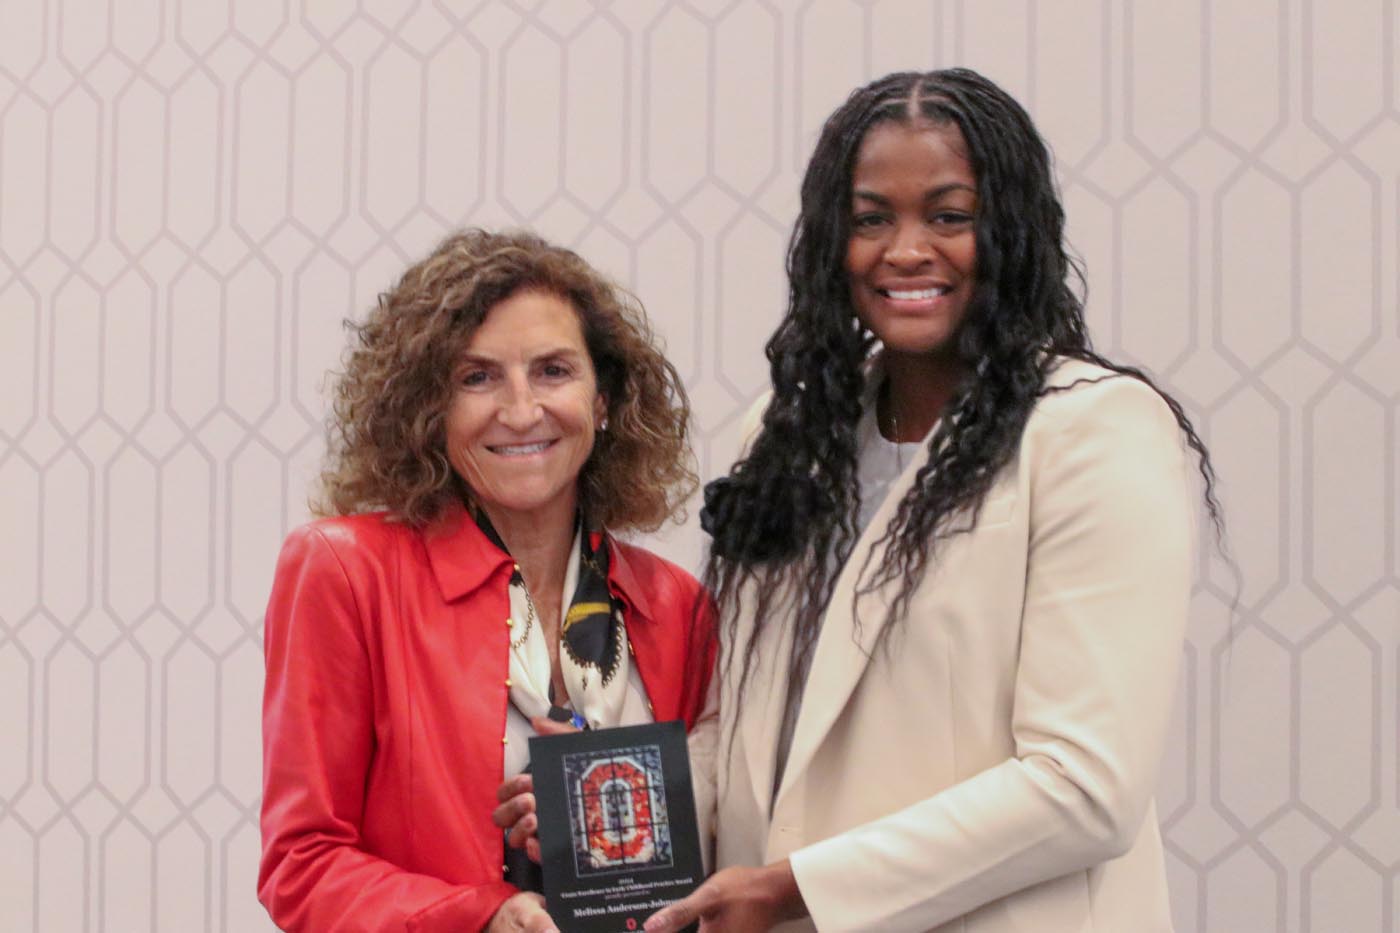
x: 989, y: 768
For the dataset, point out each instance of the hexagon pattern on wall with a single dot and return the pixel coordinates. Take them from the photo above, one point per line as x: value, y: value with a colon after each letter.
x: 194, y: 194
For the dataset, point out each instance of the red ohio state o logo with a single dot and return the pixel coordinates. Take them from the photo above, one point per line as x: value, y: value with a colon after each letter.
x: 617, y: 812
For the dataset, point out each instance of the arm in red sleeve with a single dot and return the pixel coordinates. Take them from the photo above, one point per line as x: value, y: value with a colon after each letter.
x: 318, y: 745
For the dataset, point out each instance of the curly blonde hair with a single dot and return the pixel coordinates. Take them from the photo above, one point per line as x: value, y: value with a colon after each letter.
x: 387, y: 431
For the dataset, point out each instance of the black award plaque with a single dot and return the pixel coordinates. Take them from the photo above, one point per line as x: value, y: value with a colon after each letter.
x: 617, y: 830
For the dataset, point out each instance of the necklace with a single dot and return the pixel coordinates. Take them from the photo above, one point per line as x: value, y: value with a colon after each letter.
x: 895, y: 440
x: 891, y: 416
x: 529, y: 617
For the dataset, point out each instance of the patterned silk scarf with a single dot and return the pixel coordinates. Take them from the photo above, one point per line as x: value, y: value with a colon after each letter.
x: 592, y: 644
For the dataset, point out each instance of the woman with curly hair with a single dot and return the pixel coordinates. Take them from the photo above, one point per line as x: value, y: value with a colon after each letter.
x: 952, y: 569
x: 503, y: 413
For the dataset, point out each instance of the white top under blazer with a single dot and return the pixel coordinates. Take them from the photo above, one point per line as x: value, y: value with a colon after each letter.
x: 989, y: 767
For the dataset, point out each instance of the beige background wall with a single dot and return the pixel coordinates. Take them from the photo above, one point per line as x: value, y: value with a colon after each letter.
x: 193, y: 195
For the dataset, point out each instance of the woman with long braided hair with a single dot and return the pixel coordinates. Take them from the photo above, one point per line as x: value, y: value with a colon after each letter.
x: 952, y: 568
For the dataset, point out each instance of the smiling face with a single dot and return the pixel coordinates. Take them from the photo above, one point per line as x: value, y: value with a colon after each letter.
x: 912, y: 254
x: 523, y: 414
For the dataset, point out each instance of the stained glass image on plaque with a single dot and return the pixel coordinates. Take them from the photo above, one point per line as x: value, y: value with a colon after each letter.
x: 617, y: 810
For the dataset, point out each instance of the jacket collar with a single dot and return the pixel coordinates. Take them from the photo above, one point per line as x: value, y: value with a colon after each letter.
x: 463, y: 559
x: 461, y: 555
x: 623, y: 580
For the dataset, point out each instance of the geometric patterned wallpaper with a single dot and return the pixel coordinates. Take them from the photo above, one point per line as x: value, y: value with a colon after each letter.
x: 194, y: 194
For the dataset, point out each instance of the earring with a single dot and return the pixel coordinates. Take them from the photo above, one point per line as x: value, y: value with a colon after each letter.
x: 603, y: 425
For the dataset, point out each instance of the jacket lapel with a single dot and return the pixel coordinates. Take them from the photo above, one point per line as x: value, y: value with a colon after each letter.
x: 760, y: 717
x: 663, y: 685
x: 843, y: 648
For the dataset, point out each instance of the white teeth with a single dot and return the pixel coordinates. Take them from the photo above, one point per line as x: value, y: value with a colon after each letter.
x: 916, y: 294
x: 519, y: 450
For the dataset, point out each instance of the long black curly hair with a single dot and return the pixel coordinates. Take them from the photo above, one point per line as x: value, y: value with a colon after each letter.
x: 783, y: 522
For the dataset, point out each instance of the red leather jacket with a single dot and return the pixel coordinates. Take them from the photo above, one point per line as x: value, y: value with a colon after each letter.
x: 384, y: 713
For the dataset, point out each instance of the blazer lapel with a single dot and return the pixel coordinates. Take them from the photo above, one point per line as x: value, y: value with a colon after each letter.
x: 843, y: 648
x: 761, y: 715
